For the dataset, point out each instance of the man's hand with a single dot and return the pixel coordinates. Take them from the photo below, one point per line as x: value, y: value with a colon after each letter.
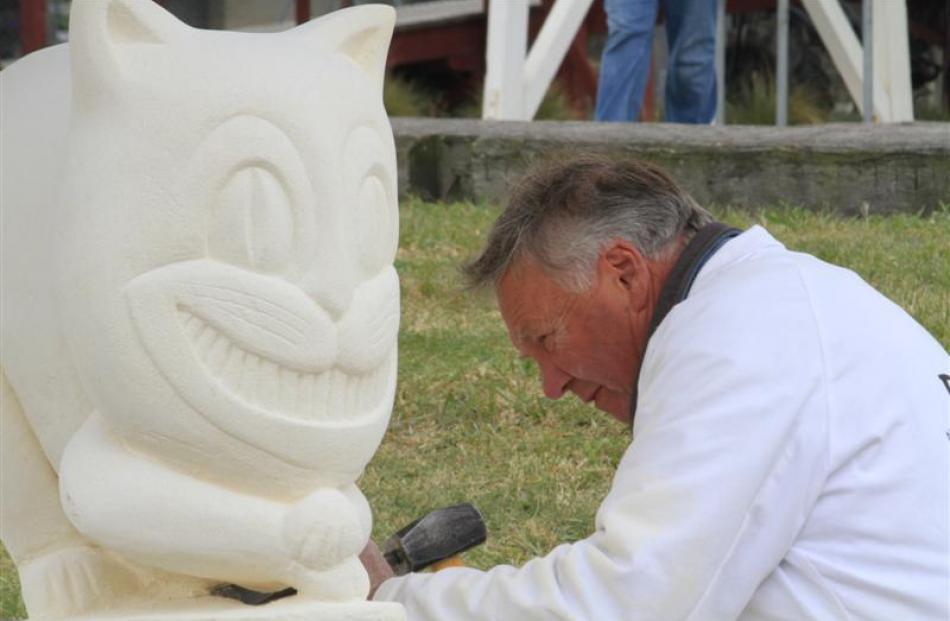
x: 376, y: 566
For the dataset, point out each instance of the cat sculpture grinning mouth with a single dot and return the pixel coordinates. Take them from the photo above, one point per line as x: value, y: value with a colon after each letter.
x: 278, y: 388
x: 261, y: 360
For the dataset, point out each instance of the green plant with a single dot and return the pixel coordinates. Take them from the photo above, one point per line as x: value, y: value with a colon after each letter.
x: 929, y: 112
x: 554, y: 107
x: 402, y: 98
x: 754, y: 104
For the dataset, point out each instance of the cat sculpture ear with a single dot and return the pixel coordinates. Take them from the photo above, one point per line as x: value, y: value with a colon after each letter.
x: 360, y: 33
x: 105, y: 36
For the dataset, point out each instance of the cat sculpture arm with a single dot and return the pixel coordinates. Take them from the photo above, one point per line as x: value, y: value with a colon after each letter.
x: 114, y: 496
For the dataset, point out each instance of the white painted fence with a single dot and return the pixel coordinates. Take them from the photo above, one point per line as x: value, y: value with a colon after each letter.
x: 516, y: 79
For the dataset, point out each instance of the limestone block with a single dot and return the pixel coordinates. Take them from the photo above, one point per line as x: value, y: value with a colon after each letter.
x: 199, y: 314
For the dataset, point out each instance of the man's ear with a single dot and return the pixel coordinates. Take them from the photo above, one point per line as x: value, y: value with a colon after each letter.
x: 626, y: 268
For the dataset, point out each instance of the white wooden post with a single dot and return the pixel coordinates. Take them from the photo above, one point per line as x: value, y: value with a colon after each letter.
x: 867, y: 69
x: 515, y: 86
x: 781, y: 64
x: 549, y: 48
x: 892, y: 57
x: 894, y: 103
x: 505, y: 59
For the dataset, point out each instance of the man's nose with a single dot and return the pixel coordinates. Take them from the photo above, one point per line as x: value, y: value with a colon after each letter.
x: 554, y: 381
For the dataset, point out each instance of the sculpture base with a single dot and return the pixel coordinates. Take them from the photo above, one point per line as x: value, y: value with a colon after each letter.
x: 216, y: 609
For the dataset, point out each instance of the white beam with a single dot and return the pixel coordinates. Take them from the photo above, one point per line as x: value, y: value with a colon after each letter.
x: 867, y: 69
x: 845, y: 50
x: 505, y: 59
x: 781, y: 64
x: 892, y: 57
x: 549, y: 48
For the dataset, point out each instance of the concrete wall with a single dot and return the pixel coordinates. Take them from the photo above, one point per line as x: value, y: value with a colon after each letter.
x: 839, y: 167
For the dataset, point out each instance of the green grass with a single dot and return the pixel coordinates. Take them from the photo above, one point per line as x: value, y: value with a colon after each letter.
x: 10, y: 605
x: 469, y: 423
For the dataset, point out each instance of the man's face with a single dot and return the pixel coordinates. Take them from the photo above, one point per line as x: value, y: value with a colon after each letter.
x: 587, y: 342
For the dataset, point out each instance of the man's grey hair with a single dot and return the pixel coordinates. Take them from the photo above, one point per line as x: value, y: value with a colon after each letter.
x: 563, y: 213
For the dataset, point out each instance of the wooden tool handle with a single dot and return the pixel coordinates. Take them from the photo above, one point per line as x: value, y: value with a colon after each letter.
x: 452, y: 561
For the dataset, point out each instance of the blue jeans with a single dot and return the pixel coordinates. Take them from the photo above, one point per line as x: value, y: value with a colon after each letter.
x: 690, y: 95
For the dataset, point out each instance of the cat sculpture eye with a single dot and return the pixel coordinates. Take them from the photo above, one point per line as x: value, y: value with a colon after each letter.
x: 252, y: 221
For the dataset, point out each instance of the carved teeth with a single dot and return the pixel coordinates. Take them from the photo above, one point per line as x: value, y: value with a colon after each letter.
x: 337, y: 392
x: 269, y: 386
x: 218, y: 356
x: 205, y: 339
x: 234, y: 368
x: 289, y: 386
x: 320, y: 395
x: 195, y: 328
x: 350, y: 394
x: 330, y: 395
x: 250, y: 377
x: 305, y: 395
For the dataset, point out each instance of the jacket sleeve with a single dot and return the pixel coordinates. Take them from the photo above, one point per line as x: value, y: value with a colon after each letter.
x: 728, y: 457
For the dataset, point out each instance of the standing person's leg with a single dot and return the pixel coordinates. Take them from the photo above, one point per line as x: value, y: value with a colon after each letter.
x: 691, y: 77
x: 625, y: 64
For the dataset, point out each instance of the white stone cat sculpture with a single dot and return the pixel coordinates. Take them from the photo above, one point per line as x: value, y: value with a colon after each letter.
x: 199, y: 310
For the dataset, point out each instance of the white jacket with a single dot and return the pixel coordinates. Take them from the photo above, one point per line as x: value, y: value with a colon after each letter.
x: 789, y: 461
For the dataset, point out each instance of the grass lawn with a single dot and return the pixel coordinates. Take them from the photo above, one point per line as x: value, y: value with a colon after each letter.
x: 470, y: 423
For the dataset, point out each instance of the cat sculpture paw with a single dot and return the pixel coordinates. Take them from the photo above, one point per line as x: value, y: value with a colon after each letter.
x: 323, y: 534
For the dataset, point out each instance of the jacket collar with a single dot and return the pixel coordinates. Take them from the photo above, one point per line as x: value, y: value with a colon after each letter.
x: 704, y: 244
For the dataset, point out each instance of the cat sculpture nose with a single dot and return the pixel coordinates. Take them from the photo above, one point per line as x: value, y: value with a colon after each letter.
x: 331, y: 287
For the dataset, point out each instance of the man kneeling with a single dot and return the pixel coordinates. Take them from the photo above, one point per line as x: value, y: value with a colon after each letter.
x: 789, y: 457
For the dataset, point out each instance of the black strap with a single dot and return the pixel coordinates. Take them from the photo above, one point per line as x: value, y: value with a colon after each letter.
x: 700, y: 249
x: 247, y: 596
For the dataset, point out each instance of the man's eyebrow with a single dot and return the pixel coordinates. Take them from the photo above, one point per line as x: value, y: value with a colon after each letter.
x: 526, y: 335
x: 531, y: 333
x: 519, y: 337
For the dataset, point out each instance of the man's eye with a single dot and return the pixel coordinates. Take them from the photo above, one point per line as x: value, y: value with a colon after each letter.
x: 546, y: 341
